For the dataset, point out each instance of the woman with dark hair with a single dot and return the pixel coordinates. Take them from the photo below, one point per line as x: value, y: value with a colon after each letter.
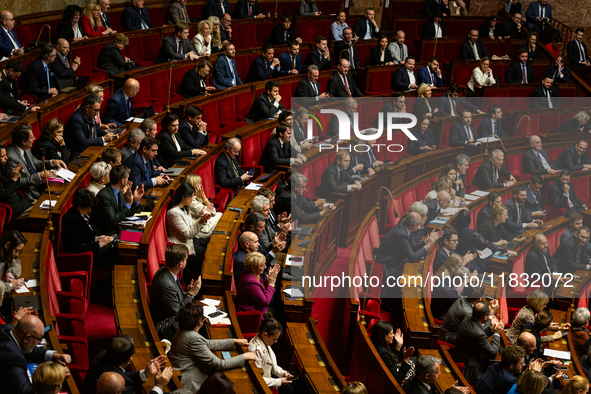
x: 425, y: 138
x: 191, y: 353
x: 218, y: 383
x: 9, y: 183
x: 380, y: 55
x: 252, y: 294
x: 532, y: 46
x: 195, y: 80
x: 397, y: 361
x: 12, y: 244
x: 556, y: 45
x: 451, y: 172
x: 70, y: 27
x: 172, y: 146
x: 269, y: 332
x: 52, y: 140
x: 339, y: 24
x: 182, y: 229
x: 489, y: 29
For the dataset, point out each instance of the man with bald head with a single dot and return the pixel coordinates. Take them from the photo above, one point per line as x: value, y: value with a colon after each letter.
x: 9, y: 44
x: 18, y: 346
x: 120, y: 104
x: 61, y: 67
x: 539, y: 261
x: 250, y: 241
x: 398, y: 48
x: 110, y: 383
x: 228, y: 172
x: 436, y: 205
x: 342, y: 83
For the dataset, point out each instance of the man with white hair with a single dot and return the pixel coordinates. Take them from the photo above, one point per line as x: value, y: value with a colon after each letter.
x: 535, y: 161
x: 262, y: 205
x: 9, y: 44
x: 292, y: 201
x: 579, y: 335
x: 228, y: 173
x: 437, y: 204
x: 490, y: 172
x: 136, y: 135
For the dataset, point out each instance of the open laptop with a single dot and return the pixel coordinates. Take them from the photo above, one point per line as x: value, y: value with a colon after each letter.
x: 148, y: 112
x: 15, y: 118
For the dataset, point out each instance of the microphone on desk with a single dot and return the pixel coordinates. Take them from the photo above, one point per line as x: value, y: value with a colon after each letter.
x: 49, y: 225
x: 391, y: 199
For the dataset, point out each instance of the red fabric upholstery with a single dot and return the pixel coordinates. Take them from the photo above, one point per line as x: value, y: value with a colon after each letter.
x: 5, y: 215
x: 249, y: 323
x: 392, y: 219
x: 157, y: 248
x: 408, y: 197
x: 519, y: 268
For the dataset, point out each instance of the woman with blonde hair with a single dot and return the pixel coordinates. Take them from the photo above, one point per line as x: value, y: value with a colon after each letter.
x: 355, y: 388
x: 577, y: 385
x: 92, y: 26
x: 202, y: 41
x: 451, y: 263
x: 443, y: 184
x: 481, y: 76
x: 425, y: 105
x: 216, y: 38
x: 493, y: 229
x: 253, y: 294
x: 48, y: 378
x: 99, y: 172
x: 531, y: 382
x: 199, y: 202
x: 52, y: 140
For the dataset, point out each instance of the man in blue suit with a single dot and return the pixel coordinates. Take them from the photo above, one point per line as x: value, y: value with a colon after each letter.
x: 473, y: 48
x: 135, y: 17
x: 430, y: 74
x: 19, y: 347
x: 519, y: 220
x: 447, y: 245
x: 264, y: 66
x: 405, y: 77
x: 320, y: 56
x: 539, y: 17
x: 225, y: 74
x: 533, y: 202
x: 216, y: 8
x: 39, y: 79
x: 81, y: 129
x: 462, y: 132
x: 290, y: 62
x: 9, y: 44
x: 143, y: 169
x: 492, y: 125
x: 193, y: 129
x: 501, y: 376
x: 120, y: 104
x: 574, y: 158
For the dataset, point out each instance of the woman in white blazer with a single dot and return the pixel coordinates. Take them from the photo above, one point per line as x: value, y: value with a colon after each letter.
x: 202, y: 41
x: 481, y: 76
x: 201, y: 201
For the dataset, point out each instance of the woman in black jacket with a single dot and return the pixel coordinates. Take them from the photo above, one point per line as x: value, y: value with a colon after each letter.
x: 52, y: 140
x: 195, y: 80
x: 283, y: 32
x: 70, y: 27
x: 532, y: 46
x: 425, y: 138
x: 172, y: 146
x: 494, y: 231
x: 425, y: 104
x: 380, y: 55
x: 396, y: 360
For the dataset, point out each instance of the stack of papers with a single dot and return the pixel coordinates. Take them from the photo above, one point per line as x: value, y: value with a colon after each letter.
x: 135, y: 222
x: 449, y: 211
x: 294, y: 292
x: 23, y: 289
x: 47, y: 204
x: 480, y: 193
x: 440, y: 221
x: 210, y: 302
x: 557, y: 354
x: 220, y: 322
x: 66, y: 174
x: 471, y: 197
x: 253, y: 186
x: 290, y: 262
x: 135, y: 120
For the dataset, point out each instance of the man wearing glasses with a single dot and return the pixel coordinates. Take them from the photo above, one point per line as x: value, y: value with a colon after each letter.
x: 82, y: 130
x: 9, y: 44
x: 19, y: 347
x: 228, y: 173
x: 39, y: 80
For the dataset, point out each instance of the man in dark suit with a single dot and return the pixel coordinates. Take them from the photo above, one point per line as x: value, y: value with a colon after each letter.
x: 366, y: 27
x: 246, y: 9
x: 278, y: 151
x: 501, y: 376
x: 301, y: 209
x: 350, y: 107
x: 490, y: 172
x: 115, y: 359
x: 535, y: 161
x: 216, y: 8
x: 461, y: 163
x: 446, y: 294
x: 342, y: 84
x: 228, y: 173
x: 120, y: 104
x: 434, y: 28
x: 299, y: 129
x: 336, y: 179
x: 512, y: 28
x: 572, y: 254
x: 290, y: 62
x: 267, y: 105
x: 405, y: 77
x: 9, y: 44
x: 82, y: 131
x: 447, y: 245
x: 143, y: 168
x: 472, y: 346
x: 539, y: 18
x: 473, y: 48
x: 177, y: 46
x: 574, y: 158
x: 545, y: 95
x: 533, y: 201
x: 226, y: 28
x: 397, y: 105
x: 61, y: 67
x: 225, y: 74
x: 134, y: 139
x: 347, y: 49
x: 166, y: 294
x: 283, y: 33
x: 319, y: 56
x: 135, y: 17
x: 264, y: 66
x: 519, y: 220
x: 309, y: 88
x: 452, y: 103
x: 492, y: 124
x: 575, y: 223
x: 430, y: 74
x: 538, y: 259
x: 111, y: 59
x: 428, y: 369
x: 462, y: 308
x: 577, y: 50
x: 19, y: 346
x: 105, y: 5
x: 521, y: 71
x: 562, y: 195
x: 114, y: 203
x: 462, y: 132
x: 432, y: 6
x: 436, y: 205
x: 493, y: 198
x: 8, y: 90
x: 558, y: 71
x: 177, y: 12
x: 39, y: 79
x: 193, y: 129
x: 250, y: 241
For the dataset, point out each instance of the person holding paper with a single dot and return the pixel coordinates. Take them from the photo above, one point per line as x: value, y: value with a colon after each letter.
x: 252, y: 293
x: 12, y: 244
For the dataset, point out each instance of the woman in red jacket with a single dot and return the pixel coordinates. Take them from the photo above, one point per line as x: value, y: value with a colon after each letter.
x: 92, y: 26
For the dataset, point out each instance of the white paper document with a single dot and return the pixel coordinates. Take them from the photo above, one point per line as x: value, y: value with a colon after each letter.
x: 489, y: 139
x: 46, y: 204
x: 253, y: 186
x: 210, y: 302
x: 294, y: 292
x: 471, y: 197
x: 299, y: 262
x: 450, y: 211
x: 557, y: 354
x: 480, y: 193
x: 135, y: 120
x: 66, y: 174
x: 32, y: 283
x: 23, y: 289
x: 486, y: 253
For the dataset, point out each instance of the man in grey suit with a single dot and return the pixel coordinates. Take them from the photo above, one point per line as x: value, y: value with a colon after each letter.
x: 575, y: 222
x: 166, y: 294
x: 177, y: 12
x: 472, y: 346
x: 177, y: 46
x: 136, y: 135
x: 19, y: 153
x: 398, y: 48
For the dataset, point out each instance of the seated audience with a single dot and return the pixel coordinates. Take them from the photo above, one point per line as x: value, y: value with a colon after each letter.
x: 536, y: 302
x: 116, y: 202
x: 342, y: 83
x: 70, y: 27
x: 319, y: 56
x: 397, y: 360
x: 111, y: 59
x: 425, y: 138
x: 533, y: 202
x: 105, y: 5
x: 404, y: 77
x: 452, y: 103
x: 458, y: 8
x: 512, y: 28
x: 12, y: 243
x: 81, y: 129
x: 447, y: 246
x: 278, y: 151
x: 572, y: 255
x: 461, y: 308
x: 149, y: 127
x: 521, y: 71
x: 309, y: 88
x: 200, y: 201
x: 336, y: 179
x: 575, y: 223
x: 61, y: 67
x: 172, y: 145
x: 463, y: 131
x: 495, y: 229
x: 577, y: 124
x: 246, y: 9
x: 9, y: 183
x: 481, y: 76
x: 9, y: 43
x: 366, y: 27
x: 39, y: 80
x: 309, y: 7
x: 579, y: 332
x: 531, y: 45
x: 545, y: 95
x: 302, y: 210
x: 473, y: 48
x: 434, y: 28
x: 134, y: 139
x: 249, y: 242
x: 195, y: 80
x: 192, y: 129
x: 143, y: 168
x: 574, y: 158
x: 337, y: 27
x: 443, y: 184
x: 493, y: 198
x: 425, y: 106
x: 215, y: 8
x: 264, y: 66
x: 502, y: 375
x: 228, y: 173
x: 428, y: 369
x: 290, y: 62
x: 177, y: 46
x: 98, y: 91
x: 562, y: 195
x: 490, y: 172
x: 576, y: 50
x: 120, y: 104
x: 92, y: 25
x: 347, y: 49
x: 216, y: 37
x: 267, y: 104
x: 520, y: 219
x: 251, y: 293
x: 283, y: 33
x: 490, y: 29
x: 536, y: 161
x: 225, y: 74
x: 538, y: 260
x: 52, y: 142
x: 202, y: 41
x: 8, y: 90
x: 558, y: 71
x: 48, y: 378
x: 99, y: 173
x: 461, y: 163
x: 447, y: 293
x: 398, y: 49
x: 492, y: 125
x: 135, y: 17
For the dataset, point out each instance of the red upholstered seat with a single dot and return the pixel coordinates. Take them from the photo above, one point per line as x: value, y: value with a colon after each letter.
x: 263, y: 32
x: 552, y: 213
x: 249, y: 322
x: 392, y: 219
x: 27, y: 33
x: 407, y: 198
x: 581, y: 185
x: 422, y: 189
x: 519, y: 268
x: 513, y: 164
x: 157, y: 246
x: 5, y: 215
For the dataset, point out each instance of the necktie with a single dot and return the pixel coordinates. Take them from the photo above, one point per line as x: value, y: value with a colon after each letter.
x: 13, y: 38
x: 432, y: 79
x: 293, y: 62
x: 453, y: 103
x: 116, y: 196
x: 148, y: 171
x: 29, y: 165
x: 474, y: 49
x: 543, y: 161
x: 180, y: 47
x: 579, y: 160
x: 285, y: 36
x: 578, y: 258
x: 542, y: 11
x: 143, y: 19
x: 370, y: 29
x: 249, y: 10
x: 48, y: 79
x: 87, y: 222
x: 496, y: 175
x: 581, y: 52
x: 402, y: 57
x: 234, y: 168
x: 523, y: 78
x: 549, y: 100
x: 232, y: 72
x: 129, y: 108
x: 494, y: 130
x: 519, y: 214
x: 351, y: 58
x: 179, y: 283
x: 468, y: 132
x: 346, y: 86
x: 546, y: 263
x: 315, y: 89
x: 104, y: 18
x: 285, y: 150
x: 268, y: 65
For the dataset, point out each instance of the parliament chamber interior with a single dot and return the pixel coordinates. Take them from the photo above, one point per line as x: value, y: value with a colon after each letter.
x: 180, y: 211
